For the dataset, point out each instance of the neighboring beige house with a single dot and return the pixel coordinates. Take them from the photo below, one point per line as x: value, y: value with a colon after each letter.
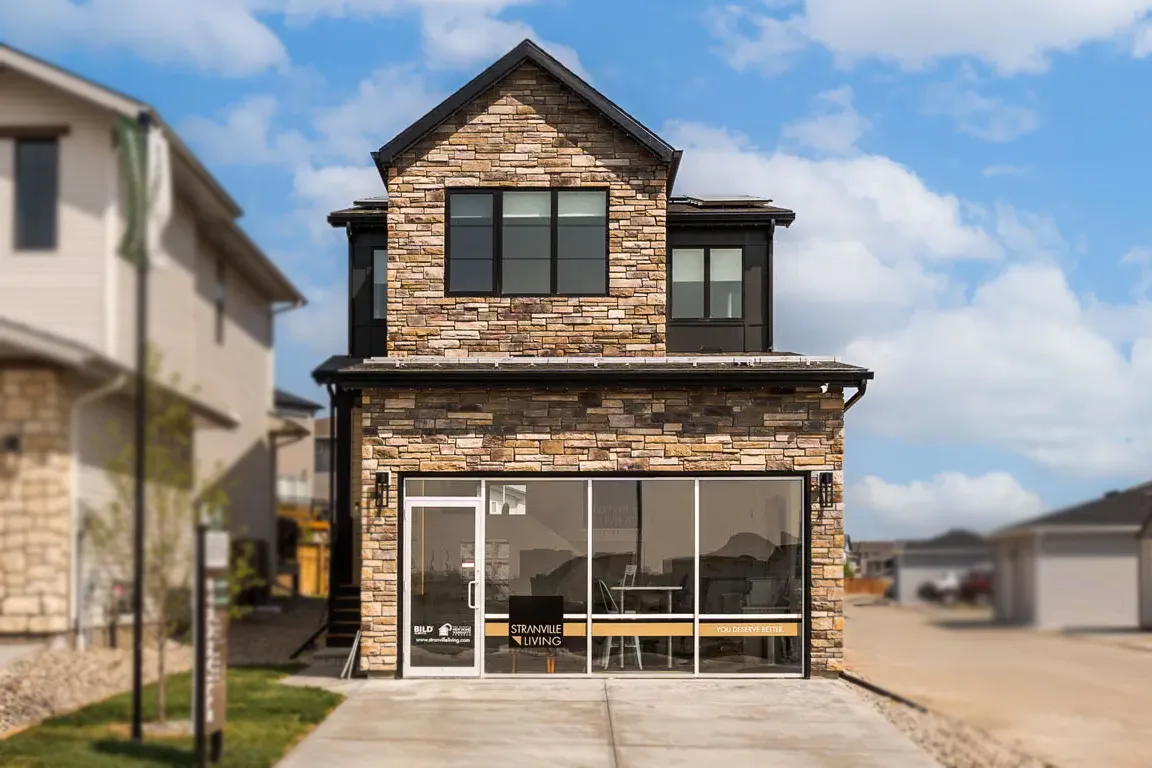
x: 67, y: 325
x: 303, y: 464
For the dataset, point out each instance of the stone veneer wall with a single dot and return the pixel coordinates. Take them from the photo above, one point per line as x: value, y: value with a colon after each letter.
x: 34, y: 502
x: 527, y: 131
x: 522, y: 430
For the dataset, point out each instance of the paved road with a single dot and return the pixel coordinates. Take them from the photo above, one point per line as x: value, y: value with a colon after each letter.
x: 605, y: 723
x: 1073, y: 702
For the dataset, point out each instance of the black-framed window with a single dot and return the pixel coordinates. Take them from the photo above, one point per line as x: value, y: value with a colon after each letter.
x: 707, y: 283
x: 379, y: 283
x: 219, y: 293
x: 37, y: 193
x: 527, y: 242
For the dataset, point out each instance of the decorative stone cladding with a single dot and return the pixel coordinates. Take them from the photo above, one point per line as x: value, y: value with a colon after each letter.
x: 527, y: 131
x: 598, y: 430
x: 34, y: 502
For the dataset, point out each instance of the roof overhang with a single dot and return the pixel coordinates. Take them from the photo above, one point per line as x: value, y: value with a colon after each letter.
x: 453, y: 373
x: 526, y: 51
x: 27, y: 344
x: 1063, y: 530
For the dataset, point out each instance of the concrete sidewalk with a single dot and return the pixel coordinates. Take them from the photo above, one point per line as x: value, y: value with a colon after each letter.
x: 605, y: 723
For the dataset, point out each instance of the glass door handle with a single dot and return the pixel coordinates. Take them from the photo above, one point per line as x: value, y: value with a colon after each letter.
x: 472, y: 594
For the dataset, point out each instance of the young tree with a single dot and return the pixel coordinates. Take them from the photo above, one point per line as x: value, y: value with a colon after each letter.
x: 174, y: 503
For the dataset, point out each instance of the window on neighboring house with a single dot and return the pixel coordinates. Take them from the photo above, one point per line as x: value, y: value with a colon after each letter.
x: 218, y: 298
x: 37, y: 182
x: 707, y: 283
x: 323, y: 455
x: 528, y: 242
x: 379, y: 284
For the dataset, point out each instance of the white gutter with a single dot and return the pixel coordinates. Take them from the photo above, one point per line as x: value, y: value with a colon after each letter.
x: 74, y: 496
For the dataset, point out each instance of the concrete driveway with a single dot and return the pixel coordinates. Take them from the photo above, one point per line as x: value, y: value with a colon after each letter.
x: 1072, y: 702
x: 595, y: 723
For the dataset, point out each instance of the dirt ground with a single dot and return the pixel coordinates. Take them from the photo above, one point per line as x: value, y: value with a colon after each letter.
x: 1076, y: 702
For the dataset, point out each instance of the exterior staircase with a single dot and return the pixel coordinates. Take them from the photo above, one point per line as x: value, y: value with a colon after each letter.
x: 344, y: 618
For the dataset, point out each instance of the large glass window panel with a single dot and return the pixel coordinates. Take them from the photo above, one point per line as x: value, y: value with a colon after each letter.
x: 379, y: 283
x: 751, y: 546
x: 581, y: 241
x: 725, y: 282
x: 536, y: 542
x: 37, y: 182
x: 526, y: 247
x: 442, y: 487
x: 750, y: 647
x: 470, y: 242
x: 688, y: 283
x: 642, y: 565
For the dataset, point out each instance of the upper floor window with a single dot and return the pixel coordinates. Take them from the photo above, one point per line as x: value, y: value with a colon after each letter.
x: 519, y: 242
x: 218, y: 300
x: 323, y: 455
x: 379, y: 283
x: 707, y: 283
x: 37, y: 181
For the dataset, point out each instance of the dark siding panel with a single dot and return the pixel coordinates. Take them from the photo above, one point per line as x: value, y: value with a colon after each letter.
x: 704, y: 339
x: 369, y: 337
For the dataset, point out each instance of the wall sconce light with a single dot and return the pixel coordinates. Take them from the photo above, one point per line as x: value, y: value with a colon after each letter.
x: 381, y: 489
x: 825, y: 489
x: 10, y: 444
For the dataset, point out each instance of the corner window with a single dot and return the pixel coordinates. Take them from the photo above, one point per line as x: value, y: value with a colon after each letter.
x: 379, y: 284
x: 707, y: 283
x: 527, y: 242
x: 37, y: 182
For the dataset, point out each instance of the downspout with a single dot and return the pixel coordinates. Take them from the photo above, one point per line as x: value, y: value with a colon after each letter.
x: 74, y: 498
x: 861, y: 388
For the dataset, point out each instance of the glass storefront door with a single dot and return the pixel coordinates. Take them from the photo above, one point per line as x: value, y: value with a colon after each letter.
x: 441, y: 589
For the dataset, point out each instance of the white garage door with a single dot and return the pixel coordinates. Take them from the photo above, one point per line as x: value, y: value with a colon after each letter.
x: 1089, y: 581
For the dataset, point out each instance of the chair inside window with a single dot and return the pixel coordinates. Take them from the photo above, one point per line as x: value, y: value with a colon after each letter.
x: 615, y: 606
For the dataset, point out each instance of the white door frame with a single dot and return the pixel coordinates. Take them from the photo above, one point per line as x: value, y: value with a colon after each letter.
x: 477, y: 506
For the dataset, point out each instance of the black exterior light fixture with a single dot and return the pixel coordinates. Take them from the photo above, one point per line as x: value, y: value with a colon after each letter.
x: 10, y: 444
x: 825, y: 489
x: 381, y: 489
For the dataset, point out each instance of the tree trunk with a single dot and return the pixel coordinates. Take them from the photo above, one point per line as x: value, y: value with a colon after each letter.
x: 161, y: 704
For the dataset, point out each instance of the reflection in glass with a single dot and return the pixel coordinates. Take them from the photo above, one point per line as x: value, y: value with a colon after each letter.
x: 642, y: 544
x: 447, y: 488
x: 536, y: 542
x: 442, y: 566
x: 750, y: 654
x: 751, y: 547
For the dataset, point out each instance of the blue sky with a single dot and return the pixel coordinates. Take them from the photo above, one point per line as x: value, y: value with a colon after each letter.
x: 969, y: 179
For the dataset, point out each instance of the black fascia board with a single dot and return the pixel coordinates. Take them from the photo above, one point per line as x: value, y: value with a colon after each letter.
x: 439, y: 378
x: 525, y: 51
x: 733, y: 218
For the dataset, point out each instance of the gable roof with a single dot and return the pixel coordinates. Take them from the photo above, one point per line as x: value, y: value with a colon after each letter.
x: 951, y: 540
x: 287, y: 400
x: 1130, y: 508
x: 525, y: 51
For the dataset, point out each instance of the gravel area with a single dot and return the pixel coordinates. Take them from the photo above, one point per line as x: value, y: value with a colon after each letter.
x: 953, y: 744
x: 269, y: 638
x: 55, y: 682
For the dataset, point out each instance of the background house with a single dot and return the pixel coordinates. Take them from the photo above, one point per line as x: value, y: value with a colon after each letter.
x: 956, y: 552
x: 67, y: 325
x: 1074, y: 568
x: 1146, y: 574
x: 873, y: 558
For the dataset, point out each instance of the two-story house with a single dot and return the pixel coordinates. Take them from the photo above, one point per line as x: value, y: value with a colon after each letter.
x: 67, y: 331
x: 561, y: 384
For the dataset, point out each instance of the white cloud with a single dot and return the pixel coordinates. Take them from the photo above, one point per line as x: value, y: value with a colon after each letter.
x: 757, y: 41
x: 223, y: 37
x: 976, y: 114
x: 949, y: 500
x: 993, y: 171
x: 1012, y: 359
x: 230, y: 37
x: 835, y: 127
x: 321, y: 326
x: 244, y: 136
x: 1013, y: 36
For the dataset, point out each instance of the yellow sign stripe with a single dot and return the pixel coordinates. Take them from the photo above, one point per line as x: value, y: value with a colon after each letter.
x: 641, y: 629
x: 748, y: 629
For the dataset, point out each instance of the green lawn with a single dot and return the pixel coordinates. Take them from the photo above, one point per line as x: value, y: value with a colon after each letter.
x: 264, y: 720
